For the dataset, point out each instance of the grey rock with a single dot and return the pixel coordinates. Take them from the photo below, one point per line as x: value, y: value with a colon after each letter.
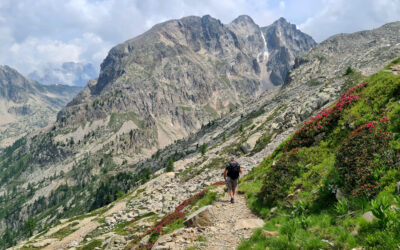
x: 201, y: 218
x: 248, y: 223
x: 368, y: 216
x: 339, y: 195
x: 245, y: 147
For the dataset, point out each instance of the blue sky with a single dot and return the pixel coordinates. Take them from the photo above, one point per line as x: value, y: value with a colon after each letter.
x: 37, y: 33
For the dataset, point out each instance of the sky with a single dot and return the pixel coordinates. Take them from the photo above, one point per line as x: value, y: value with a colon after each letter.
x: 38, y: 34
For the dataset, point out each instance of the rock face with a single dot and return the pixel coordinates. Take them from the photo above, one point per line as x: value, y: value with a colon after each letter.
x: 365, y: 52
x: 183, y: 73
x: 26, y: 105
x: 201, y: 218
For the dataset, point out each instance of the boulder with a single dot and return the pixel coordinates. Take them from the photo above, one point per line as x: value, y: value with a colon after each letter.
x: 248, y: 224
x: 369, y: 216
x: 201, y: 218
x: 339, y: 195
x: 253, y: 140
x: 110, y: 221
x: 245, y: 147
x: 145, y: 240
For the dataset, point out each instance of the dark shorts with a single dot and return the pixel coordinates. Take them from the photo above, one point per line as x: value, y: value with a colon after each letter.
x: 230, y: 183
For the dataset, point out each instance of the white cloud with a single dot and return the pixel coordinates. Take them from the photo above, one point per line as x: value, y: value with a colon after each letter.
x: 36, y: 33
x: 341, y: 16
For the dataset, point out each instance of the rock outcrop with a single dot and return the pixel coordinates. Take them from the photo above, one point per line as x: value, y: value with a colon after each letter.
x: 183, y: 73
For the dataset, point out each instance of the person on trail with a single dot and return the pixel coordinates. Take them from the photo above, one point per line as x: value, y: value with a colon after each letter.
x: 231, y: 176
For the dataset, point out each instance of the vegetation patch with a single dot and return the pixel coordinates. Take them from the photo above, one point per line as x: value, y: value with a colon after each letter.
x: 351, y: 150
x: 63, y: 232
x: 91, y: 245
x: 118, y: 119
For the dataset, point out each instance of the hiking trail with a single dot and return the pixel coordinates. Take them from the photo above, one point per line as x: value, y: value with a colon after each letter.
x: 232, y: 223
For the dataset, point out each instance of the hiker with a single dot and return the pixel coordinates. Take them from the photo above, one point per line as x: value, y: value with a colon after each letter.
x: 231, y: 176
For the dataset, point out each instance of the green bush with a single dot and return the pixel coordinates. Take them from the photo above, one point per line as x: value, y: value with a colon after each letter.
x: 279, y: 178
x: 170, y: 165
x: 349, y: 71
x: 364, y: 157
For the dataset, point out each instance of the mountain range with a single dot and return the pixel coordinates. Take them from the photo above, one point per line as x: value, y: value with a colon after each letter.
x: 27, y: 105
x: 193, y: 91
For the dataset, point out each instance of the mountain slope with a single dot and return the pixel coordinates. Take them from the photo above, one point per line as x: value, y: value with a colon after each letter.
x: 183, y: 73
x: 130, y: 221
x: 85, y: 170
x: 336, y: 173
x: 27, y: 105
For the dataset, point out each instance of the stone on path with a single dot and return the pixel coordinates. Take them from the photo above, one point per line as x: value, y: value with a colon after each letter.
x: 249, y: 224
x: 201, y: 218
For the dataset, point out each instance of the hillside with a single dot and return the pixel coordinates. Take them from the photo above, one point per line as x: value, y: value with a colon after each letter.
x: 27, y: 105
x: 153, y: 90
x: 295, y: 189
x: 85, y: 163
x: 332, y: 184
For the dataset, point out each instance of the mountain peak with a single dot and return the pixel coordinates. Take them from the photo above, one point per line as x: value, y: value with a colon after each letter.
x: 243, y: 19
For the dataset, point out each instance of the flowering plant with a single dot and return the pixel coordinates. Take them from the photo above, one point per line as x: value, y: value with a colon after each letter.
x: 322, y: 122
x: 364, y: 156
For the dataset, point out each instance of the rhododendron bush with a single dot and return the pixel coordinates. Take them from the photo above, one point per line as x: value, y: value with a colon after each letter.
x: 324, y: 121
x: 364, y: 156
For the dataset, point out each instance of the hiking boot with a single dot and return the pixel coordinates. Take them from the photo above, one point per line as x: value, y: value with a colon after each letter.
x: 232, y: 200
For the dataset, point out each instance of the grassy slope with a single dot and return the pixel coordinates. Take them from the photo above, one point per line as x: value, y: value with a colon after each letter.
x: 303, y: 174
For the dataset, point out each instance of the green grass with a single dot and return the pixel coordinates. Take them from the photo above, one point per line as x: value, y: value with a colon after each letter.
x: 261, y: 143
x: 208, y: 199
x: 91, y: 245
x: 63, y: 232
x: 118, y: 119
x: 309, y: 217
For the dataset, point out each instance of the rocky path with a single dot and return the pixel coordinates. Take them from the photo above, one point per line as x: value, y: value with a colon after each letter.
x: 231, y: 224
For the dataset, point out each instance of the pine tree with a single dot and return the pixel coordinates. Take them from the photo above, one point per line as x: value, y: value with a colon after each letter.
x: 30, y: 226
x: 170, y: 165
x: 203, y: 149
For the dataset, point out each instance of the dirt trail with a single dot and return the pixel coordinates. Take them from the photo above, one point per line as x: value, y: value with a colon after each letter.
x: 231, y: 224
x: 85, y: 226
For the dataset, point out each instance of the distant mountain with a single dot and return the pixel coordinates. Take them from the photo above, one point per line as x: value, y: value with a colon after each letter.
x: 70, y: 73
x: 27, y: 105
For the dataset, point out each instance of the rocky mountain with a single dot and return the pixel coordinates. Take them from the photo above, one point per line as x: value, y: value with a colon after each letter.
x: 101, y: 144
x: 183, y: 73
x: 27, y: 105
x: 169, y: 210
x: 69, y: 73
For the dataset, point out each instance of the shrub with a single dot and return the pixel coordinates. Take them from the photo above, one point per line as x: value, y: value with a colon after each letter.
x: 279, y: 178
x: 323, y: 122
x: 203, y: 149
x: 364, y: 157
x: 170, y: 165
x: 349, y: 71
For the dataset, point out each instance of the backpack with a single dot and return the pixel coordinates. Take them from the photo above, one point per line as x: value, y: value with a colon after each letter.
x: 233, y: 170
